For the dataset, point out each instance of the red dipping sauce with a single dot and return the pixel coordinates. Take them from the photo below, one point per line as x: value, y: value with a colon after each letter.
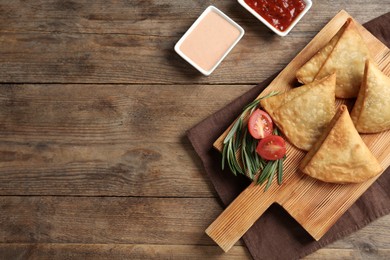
x: 279, y: 13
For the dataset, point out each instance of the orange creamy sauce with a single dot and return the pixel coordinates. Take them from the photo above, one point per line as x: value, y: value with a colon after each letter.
x: 209, y: 40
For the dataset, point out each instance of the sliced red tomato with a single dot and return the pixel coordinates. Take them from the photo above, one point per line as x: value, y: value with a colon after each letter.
x: 260, y: 124
x: 272, y: 147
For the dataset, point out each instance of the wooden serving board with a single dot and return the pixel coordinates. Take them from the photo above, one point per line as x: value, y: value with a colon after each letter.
x: 314, y: 204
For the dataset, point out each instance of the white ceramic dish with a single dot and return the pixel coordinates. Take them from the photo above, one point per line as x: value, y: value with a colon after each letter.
x: 202, y: 50
x: 278, y: 32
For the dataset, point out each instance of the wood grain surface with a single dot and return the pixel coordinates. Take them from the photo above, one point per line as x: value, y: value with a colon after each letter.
x: 94, y: 106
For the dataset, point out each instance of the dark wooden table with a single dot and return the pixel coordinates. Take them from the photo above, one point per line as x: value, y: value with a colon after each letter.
x: 94, y: 105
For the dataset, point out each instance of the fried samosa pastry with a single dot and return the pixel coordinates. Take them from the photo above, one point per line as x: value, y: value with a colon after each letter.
x: 303, y: 113
x: 340, y: 155
x: 309, y: 70
x: 371, y: 112
x: 345, y: 55
x: 271, y: 104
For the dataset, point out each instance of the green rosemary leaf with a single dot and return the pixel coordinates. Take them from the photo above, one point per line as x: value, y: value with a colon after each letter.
x: 233, y: 130
x: 264, y: 173
x: 252, y: 109
x: 264, y: 162
x: 233, y: 169
x: 237, y: 137
x: 244, y: 155
x: 231, y: 155
x: 248, y: 164
x: 272, y: 93
x: 231, y: 164
x: 233, y: 158
x: 228, y: 156
x: 251, y: 105
x: 243, y: 142
x: 256, y: 102
x: 264, y: 177
x: 271, y: 168
x: 272, y: 173
x: 254, y: 157
x: 224, y: 151
x: 257, y: 160
x: 256, y: 165
x: 280, y: 170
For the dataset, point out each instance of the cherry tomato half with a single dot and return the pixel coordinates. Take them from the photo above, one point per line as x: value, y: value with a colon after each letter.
x: 260, y: 124
x: 272, y: 147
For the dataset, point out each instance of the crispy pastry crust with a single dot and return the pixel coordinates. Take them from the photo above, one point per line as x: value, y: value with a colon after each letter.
x: 340, y: 155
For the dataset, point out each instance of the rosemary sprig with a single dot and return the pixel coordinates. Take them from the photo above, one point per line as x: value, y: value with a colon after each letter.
x: 239, y: 151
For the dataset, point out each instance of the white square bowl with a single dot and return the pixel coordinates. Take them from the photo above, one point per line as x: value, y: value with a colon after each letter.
x: 278, y: 32
x: 194, y: 25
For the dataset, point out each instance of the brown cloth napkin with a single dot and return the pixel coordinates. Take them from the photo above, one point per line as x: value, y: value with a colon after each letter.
x: 276, y: 235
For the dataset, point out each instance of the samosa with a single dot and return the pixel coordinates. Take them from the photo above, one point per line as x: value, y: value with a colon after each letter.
x: 371, y: 112
x: 340, y: 155
x: 304, y: 112
x: 310, y: 69
x: 345, y: 55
